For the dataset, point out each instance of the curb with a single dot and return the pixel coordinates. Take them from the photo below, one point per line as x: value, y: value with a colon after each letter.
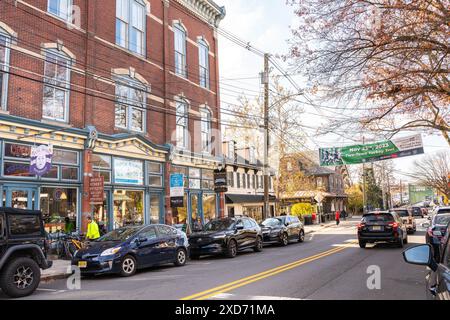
x: 53, y: 277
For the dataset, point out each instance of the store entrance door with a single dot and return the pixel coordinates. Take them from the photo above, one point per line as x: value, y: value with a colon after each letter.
x: 21, y: 197
x: 195, y: 212
x: 103, y: 213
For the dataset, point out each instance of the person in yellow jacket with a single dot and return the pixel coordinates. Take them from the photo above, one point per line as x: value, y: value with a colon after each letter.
x: 93, y: 232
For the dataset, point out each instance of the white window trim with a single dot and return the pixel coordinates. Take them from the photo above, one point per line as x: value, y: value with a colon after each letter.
x: 180, y: 28
x: 129, y: 24
x: 4, y: 88
x: 129, y: 82
x: 69, y: 11
x: 203, y: 45
x: 68, y: 83
x: 185, y: 145
x: 205, y: 111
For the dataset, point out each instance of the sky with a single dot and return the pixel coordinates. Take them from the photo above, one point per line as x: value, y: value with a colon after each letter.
x: 265, y: 24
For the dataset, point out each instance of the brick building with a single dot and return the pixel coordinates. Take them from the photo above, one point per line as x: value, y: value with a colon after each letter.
x: 123, y: 89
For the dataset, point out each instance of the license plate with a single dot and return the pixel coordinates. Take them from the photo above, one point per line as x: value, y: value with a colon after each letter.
x: 376, y: 228
x: 82, y: 264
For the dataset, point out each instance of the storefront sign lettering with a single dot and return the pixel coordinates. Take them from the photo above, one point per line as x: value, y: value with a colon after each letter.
x: 220, y: 181
x: 128, y: 171
x: 176, y: 190
x: 17, y: 150
x: 96, y: 190
x: 41, y: 159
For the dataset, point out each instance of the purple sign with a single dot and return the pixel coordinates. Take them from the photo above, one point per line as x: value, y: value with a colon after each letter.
x: 41, y: 159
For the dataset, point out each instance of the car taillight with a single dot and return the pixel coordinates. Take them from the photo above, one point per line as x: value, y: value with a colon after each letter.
x: 394, y: 225
x: 361, y: 225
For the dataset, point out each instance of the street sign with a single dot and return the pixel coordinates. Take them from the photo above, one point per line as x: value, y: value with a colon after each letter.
x: 176, y: 190
x: 356, y: 154
x: 96, y: 190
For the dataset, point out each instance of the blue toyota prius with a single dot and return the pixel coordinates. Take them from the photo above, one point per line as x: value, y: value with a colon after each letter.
x: 127, y: 249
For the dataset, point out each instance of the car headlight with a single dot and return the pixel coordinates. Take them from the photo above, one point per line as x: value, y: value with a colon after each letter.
x: 110, y: 252
x: 220, y: 236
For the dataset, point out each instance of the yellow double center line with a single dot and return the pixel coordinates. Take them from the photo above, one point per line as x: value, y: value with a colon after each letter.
x: 256, y: 277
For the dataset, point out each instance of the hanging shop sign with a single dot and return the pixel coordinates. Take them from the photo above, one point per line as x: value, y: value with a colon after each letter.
x: 127, y: 171
x: 176, y: 190
x: 391, y: 149
x: 96, y: 190
x: 41, y: 159
x: 220, y: 181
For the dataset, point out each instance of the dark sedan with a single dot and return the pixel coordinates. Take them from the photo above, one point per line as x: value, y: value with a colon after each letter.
x: 282, y: 229
x: 226, y: 236
x: 125, y: 250
x: 438, y: 277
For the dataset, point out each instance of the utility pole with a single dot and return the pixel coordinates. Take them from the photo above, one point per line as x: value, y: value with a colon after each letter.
x: 265, y: 80
x: 364, y: 183
x: 401, y: 192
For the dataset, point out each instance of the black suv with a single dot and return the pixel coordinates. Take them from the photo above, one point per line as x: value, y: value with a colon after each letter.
x: 226, y: 236
x: 22, y: 251
x: 382, y: 226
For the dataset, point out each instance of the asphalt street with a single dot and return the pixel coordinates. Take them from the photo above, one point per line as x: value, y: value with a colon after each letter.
x: 328, y: 265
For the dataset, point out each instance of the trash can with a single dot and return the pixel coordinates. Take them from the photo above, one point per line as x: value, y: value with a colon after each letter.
x: 308, y: 220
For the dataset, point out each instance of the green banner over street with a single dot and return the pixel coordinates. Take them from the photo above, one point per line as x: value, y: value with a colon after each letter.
x: 384, y: 150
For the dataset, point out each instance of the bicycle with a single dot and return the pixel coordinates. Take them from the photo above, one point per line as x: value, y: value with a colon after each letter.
x: 72, y: 244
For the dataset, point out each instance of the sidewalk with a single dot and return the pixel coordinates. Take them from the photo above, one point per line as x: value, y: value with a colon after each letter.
x: 59, y: 270
x: 329, y: 224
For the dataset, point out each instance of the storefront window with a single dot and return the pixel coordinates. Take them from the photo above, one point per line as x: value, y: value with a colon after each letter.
x: 20, y: 151
x: 65, y: 157
x: 180, y: 214
x: 155, y: 174
x: 128, y: 171
x: 254, y: 212
x: 128, y: 208
x: 155, y: 202
x: 207, y: 179
x: 209, y: 207
x: 19, y: 199
x: 51, y: 174
x: 69, y: 173
x: 16, y: 169
x: 101, y: 214
x: 59, y: 208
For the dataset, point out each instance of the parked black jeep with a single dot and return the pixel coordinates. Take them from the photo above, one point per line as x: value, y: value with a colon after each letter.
x: 23, y: 251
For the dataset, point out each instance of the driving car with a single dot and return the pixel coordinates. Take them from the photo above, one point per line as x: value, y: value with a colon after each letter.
x: 125, y: 250
x: 442, y: 210
x: 438, y: 275
x: 226, y: 236
x: 408, y: 220
x: 282, y: 230
x: 417, y: 212
x: 436, y: 230
x: 382, y: 226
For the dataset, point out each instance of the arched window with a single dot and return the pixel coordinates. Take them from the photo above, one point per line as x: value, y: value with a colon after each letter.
x: 180, y: 49
x: 203, y: 56
x: 5, y: 40
x: 182, y: 124
x: 56, y: 86
x: 130, y: 25
x: 131, y: 103
x: 206, y: 130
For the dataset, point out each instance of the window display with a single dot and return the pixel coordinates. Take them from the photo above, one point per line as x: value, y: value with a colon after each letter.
x: 128, y: 208
x: 59, y: 208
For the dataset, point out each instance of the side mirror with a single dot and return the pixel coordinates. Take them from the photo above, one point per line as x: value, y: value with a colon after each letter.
x: 429, y: 218
x: 420, y: 255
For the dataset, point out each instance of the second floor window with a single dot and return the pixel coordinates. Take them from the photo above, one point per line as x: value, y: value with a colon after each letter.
x: 130, y: 25
x: 60, y: 8
x: 206, y: 130
x: 203, y: 55
x: 182, y: 125
x: 4, y: 67
x: 56, y: 86
x: 180, y: 50
x: 130, y: 105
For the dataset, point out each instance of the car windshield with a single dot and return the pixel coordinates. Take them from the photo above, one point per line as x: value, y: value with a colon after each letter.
x: 441, y: 211
x: 271, y: 222
x: 122, y: 234
x: 378, y: 218
x: 402, y: 213
x: 219, y: 225
x: 442, y: 220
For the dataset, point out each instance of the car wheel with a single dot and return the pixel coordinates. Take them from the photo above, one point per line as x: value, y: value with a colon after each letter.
x: 231, y: 249
x: 20, y: 277
x: 180, y: 259
x: 362, y: 244
x: 400, y: 242
x: 284, y: 241
x: 259, y: 244
x: 128, y: 266
x: 301, y: 236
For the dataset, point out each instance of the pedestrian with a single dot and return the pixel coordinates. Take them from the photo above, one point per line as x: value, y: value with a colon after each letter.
x: 344, y: 214
x: 93, y: 232
x: 338, y: 217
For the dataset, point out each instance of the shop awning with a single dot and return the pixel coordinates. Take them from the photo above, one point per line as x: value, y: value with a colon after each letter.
x: 246, y: 198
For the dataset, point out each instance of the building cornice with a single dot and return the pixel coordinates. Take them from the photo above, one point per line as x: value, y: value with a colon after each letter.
x: 207, y: 10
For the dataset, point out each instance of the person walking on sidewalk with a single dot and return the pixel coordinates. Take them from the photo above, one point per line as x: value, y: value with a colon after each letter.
x: 344, y: 214
x: 93, y: 232
x: 338, y: 217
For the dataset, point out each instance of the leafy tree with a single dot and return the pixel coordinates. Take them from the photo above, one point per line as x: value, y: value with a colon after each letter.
x: 374, y: 194
x: 355, y: 198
